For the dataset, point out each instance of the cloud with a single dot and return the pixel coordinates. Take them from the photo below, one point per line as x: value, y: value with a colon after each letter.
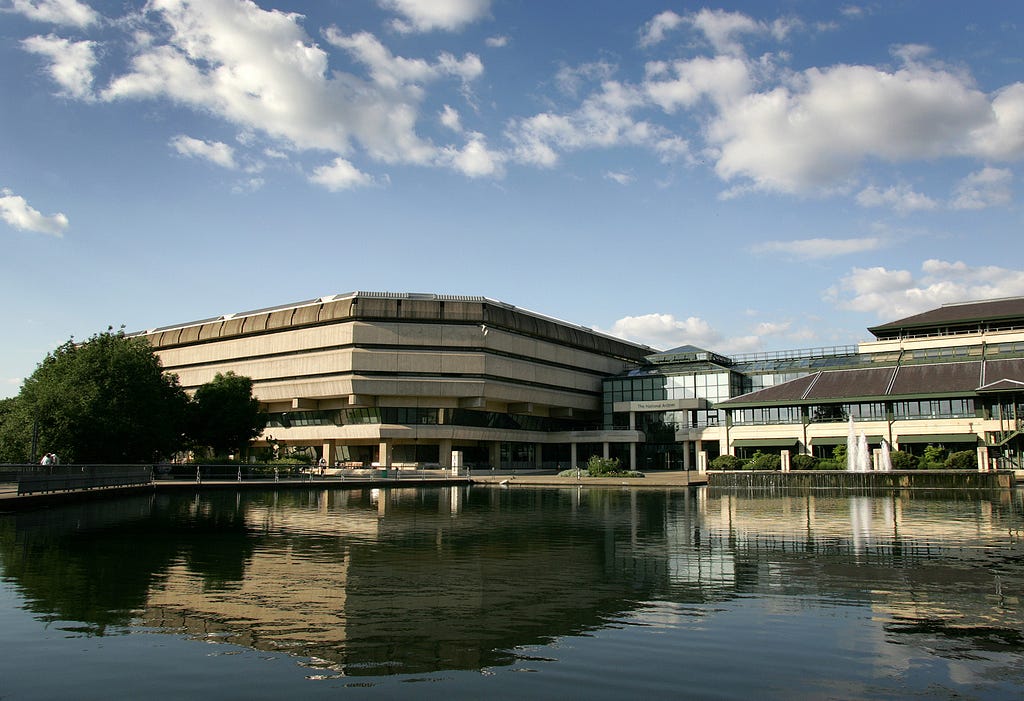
x: 894, y: 294
x: 722, y: 28
x: 497, y: 42
x: 665, y: 331
x: 71, y: 63
x: 474, y: 159
x: 655, y: 30
x: 620, y: 178
x: 340, y: 175
x: 819, y: 247
x: 428, y: 15
x: 70, y: 13
x: 16, y: 212
x: 603, y: 120
x: 213, y: 151
x: 900, y: 198
x: 989, y: 187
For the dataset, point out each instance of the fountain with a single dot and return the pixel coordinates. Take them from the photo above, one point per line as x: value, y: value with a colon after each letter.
x: 858, y: 457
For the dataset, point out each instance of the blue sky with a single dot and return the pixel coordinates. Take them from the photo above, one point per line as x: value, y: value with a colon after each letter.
x: 741, y: 176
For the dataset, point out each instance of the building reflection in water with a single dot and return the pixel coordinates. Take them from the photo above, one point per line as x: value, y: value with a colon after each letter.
x: 418, y: 580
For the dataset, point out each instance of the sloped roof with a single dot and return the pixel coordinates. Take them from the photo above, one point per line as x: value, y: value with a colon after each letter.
x: 927, y: 380
x: 957, y: 314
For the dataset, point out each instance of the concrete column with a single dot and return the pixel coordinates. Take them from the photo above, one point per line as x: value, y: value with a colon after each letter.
x: 686, y: 455
x: 572, y: 456
x: 785, y: 460
x: 983, y: 461
x: 632, y: 456
x: 632, y: 421
x: 385, y: 455
x: 538, y: 455
x: 702, y: 461
x: 329, y: 452
x: 445, y: 452
x: 605, y: 452
x: 495, y: 455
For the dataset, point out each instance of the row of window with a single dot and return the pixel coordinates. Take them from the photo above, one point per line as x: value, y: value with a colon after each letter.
x: 408, y: 416
x: 866, y: 411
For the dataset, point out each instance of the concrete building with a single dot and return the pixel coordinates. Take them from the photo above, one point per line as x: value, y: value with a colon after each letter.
x: 409, y: 379
x: 412, y: 380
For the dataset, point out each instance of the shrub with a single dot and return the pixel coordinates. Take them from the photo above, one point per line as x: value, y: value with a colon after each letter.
x: 764, y: 461
x: 935, y: 454
x: 830, y: 465
x: 803, y: 462
x: 902, y: 460
x: 962, y: 460
x: 726, y: 462
x: 599, y: 467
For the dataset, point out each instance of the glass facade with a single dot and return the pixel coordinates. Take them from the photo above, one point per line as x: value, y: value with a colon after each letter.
x: 934, y: 409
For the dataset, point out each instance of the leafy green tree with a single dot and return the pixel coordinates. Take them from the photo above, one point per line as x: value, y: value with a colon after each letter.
x: 224, y: 415
x: 800, y: 461
x: 962, y: 460
x: 106, y: 400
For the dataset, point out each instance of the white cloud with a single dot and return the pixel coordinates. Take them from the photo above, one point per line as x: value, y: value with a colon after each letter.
x: 620, y: 178
x: 497, y: 42
x: 819, y: 247
x: 475, y: 159
x: 213, y: 151
x: 723, y: 79
x: 428, y: 15
x: 71, y: 63
x: 17, y: 212
x: 65, y: 12
x: 900, y: 198
x: 259, y: 71
x: 340, y: 175
x: 723, y: 29
x: 817, y: 131
x: 989, y: 187
x: 602, y: 121
x: 665, y: 331
x: 450, y: 118
x: 894, y: 294
x: 655, y: 30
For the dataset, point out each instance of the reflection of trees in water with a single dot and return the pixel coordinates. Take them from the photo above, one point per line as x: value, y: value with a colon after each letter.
x: 418, y: 580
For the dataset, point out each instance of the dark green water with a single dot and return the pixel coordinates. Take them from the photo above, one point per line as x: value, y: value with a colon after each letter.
x: 475, y: 592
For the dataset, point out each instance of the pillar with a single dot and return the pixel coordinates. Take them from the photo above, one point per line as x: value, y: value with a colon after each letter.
x: 632, y: 456
x: 538, y: 455
x: 983, y: 461
x: 605, y: 452
x: 330, y: 450
x: 572, y: 455
x: 785, y: 460
x: 385, y: 455
x: 445, y: 452
x: 702, y: 461
x: 686, y: 455
x: 494, y: 449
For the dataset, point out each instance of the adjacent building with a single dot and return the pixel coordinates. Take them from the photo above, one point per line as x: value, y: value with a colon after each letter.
x: 413, y: 380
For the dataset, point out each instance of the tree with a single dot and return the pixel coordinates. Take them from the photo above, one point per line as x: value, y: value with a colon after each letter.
x: 224, y: 415
x: 106, y: 400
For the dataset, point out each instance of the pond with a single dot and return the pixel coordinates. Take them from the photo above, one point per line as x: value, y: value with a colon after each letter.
x: 469, y: 591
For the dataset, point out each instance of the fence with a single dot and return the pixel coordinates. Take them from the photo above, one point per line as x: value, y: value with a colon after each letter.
x: 62, y: 478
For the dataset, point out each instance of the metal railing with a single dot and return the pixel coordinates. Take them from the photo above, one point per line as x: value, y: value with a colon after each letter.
x: 42, y: 479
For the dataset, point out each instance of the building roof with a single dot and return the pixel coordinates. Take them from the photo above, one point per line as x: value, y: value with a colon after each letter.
x: 998, y: 312
x: 892, y: 382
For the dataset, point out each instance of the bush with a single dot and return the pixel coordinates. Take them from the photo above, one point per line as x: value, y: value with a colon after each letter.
x: 830, y: 465
x: 803, y: 462
x: 764, y: 461
x: 600, y: 467
x: 726, y: 462
x: 962, y: 460
x: 935, y: 455
x: 902, y: 460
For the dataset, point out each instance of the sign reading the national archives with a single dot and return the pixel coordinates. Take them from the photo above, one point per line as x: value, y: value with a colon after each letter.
x: 662, y: 405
